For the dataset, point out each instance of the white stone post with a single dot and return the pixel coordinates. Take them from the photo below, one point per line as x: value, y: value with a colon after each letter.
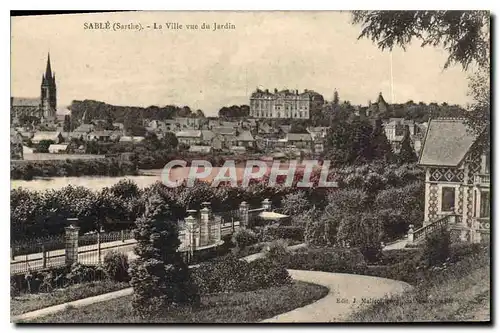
x: 410, y: 234
x: 71, y: 242
x: 205, y: 222
x: 244, y: 215
x: 266, y: 204
x: 190, y: 231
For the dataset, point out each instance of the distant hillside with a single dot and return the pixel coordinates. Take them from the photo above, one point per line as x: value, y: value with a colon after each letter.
x: 100, y: 110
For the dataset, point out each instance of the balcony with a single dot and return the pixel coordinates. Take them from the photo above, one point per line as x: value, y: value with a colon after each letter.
x: 482, y: 180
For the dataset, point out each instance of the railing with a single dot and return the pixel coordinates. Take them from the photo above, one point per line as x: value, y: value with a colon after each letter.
x: 483, y: 179
x: 439, y: 224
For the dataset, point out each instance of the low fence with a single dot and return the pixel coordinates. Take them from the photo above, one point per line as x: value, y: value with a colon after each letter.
x: 200, y: 231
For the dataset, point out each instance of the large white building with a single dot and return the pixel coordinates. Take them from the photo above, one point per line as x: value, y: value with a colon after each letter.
x: 284, y: 104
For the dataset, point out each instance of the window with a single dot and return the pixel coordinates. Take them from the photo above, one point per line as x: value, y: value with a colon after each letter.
x: 484, y: 208
x: 448, y: 199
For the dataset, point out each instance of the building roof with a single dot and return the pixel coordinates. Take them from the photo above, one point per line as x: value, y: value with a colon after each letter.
x: 58, y: 147
x: 200, y: 149
x: 188, y: 134
x: 84, y: 128
x: 25, y: 101
x: 207, y: 135
x: 447, y: 141
x: 101, y: 133
x: 298, y: 137
x: 224, y: 130
x: 42, y: 135
x: 245, y: 136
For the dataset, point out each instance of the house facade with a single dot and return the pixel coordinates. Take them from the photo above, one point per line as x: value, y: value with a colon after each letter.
x: 457, y: 179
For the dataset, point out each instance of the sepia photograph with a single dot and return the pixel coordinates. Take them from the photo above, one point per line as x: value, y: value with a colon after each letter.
x: 250, y: 167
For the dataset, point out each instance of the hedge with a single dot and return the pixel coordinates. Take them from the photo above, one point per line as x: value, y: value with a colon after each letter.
x: 230, y: 274
x: 336, y: 260
x: 283, y: 232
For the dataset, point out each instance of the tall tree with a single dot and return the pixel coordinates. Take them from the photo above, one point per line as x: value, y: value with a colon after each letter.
x: 67, y: 123
x: 200, y: 114
x: 336, y: 98
x: 407, y: 153
x: 159, y: 276
x: 381, y: 148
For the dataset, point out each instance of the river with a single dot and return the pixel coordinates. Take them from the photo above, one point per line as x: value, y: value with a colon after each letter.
x: 144, y: 179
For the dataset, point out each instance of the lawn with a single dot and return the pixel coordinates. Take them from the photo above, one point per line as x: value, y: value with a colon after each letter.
x: 237, y: 307
x: 457, y: 292
x: 31, y: 302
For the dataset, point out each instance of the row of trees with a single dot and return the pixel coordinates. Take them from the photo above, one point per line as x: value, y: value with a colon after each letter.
x: 36, y: 214
x: 359, y: 142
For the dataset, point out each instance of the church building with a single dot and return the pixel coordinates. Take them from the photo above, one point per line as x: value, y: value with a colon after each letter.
x: 44, y: 107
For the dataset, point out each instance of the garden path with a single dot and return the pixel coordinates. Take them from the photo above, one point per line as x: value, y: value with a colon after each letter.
x: 347, y: 293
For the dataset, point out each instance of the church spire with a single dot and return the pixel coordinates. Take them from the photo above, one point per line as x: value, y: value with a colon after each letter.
x: 48, y: 70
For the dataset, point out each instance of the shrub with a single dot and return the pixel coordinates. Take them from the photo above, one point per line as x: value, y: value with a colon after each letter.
x: 338, y: 260
x: 266, y: 273
x: 459, y: 251
x: 391, y: 257
x: 244, y: 237
x: 437, y: 248
x: 115, y: 266
x: 159, y: 276
x: 229, y: 274
x: 283, y: 232
x: 276, y: 249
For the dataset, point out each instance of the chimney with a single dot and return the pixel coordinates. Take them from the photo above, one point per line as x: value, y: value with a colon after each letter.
x: 275, y: 90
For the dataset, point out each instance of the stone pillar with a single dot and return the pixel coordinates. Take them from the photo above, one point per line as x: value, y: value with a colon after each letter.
x: 205, y: 223
x: 71, y: 242
x: 266, y: 204
x: 191, y: 231
x: 410, y: 234
x: 244, y: 215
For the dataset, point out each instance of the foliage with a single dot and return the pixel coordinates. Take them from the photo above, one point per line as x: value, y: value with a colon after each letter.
x: 295, y: 203
x: 244, y: 237
x: 234, y: 111
x: 100, y: 110
x: 464, y: 34
x: 381, y: 148
x: 276, y: 249
x: 159, y: 276
x: 43, y: 146
x: 72, y: 168
x: 47, y: 280
x: 295, y: 233
x: 437, y: 248
x: 115, y: 266
x: 407, y: 153
x: 337, y: 260
x: 229, y: 274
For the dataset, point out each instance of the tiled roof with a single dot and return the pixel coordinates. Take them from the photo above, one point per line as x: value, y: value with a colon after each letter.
x: 224, y: 130
x: 25, y: 101
x: 447, y: 141
x: 39, y: 136
x: 188, y: 134
x: 245, y: 136
x: 299, y: 137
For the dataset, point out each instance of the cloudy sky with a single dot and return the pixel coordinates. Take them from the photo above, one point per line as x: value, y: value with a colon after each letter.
x: 209, y: 69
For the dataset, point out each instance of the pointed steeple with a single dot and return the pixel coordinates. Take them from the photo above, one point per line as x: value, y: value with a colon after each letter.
x: 48, y: 70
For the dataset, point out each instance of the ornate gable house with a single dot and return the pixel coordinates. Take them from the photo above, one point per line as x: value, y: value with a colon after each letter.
x: 457, y: 181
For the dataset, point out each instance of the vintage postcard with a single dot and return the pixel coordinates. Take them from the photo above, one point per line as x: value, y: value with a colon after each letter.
x: 250, y: 167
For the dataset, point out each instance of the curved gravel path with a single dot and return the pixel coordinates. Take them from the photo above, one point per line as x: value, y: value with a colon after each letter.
x: 347, y: 293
